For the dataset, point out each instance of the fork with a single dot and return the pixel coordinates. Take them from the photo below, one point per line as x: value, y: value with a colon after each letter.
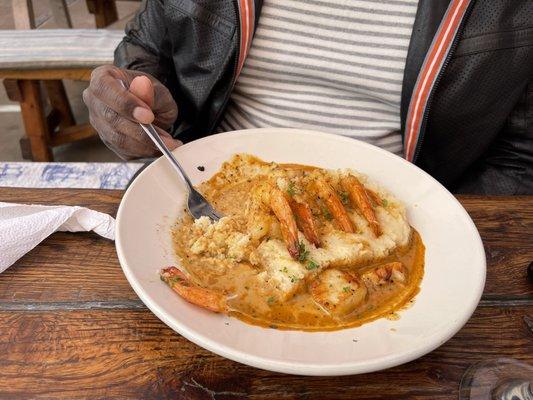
x: 197, y: 205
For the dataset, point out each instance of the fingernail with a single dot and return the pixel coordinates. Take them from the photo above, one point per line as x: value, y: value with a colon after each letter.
x: 143, y: 115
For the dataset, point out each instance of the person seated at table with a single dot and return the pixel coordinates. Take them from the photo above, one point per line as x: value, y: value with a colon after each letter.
x: 444, y: 83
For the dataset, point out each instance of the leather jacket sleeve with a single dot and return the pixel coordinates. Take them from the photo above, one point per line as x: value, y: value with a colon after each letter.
x: 507, y: 166
x: 146, y: 46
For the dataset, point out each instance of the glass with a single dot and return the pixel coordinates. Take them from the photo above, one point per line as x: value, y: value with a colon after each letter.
x: 499, y: 379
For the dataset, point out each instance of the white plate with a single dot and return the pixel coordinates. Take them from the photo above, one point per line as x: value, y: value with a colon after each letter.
x: 450, y: 291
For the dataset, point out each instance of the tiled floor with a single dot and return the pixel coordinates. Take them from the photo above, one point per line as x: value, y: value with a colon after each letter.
x: 11, y: 129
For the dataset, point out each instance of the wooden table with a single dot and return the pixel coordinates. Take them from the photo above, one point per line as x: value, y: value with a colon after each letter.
x: 71, y: 326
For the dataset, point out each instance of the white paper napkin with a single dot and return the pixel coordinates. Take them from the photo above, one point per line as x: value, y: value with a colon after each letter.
x: 22, y: 226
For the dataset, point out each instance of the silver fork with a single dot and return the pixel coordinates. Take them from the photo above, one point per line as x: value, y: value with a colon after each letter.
x: 197, y: 205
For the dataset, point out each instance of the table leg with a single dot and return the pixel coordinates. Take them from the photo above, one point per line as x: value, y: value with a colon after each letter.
x: 23, y: 14
x: 60, y: 12
x: 59, y: 101
x: 105, y: 12
x: 28, y: 94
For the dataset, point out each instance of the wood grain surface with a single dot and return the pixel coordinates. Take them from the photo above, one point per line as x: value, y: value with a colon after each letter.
x: 71, y: 327
x: 131, y: 354
x: 76, y: 74
x: 506, y: 228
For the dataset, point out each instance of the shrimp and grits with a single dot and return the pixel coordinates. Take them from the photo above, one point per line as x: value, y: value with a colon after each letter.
x: 299, y: 247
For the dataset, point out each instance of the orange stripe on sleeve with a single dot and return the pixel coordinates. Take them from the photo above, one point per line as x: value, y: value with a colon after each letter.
x: 432, y: 65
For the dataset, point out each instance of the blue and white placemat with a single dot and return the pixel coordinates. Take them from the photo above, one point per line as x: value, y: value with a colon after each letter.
x: 67, y: 175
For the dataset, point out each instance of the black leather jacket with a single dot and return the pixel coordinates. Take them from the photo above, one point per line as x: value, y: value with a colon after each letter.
x: 467, y: 117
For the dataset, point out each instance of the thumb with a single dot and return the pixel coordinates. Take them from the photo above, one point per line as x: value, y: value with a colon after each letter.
x: 169, y: 141
x: 142, y: 87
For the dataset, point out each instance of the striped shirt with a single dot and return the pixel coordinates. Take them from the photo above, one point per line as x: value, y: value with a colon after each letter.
x: 330, y: 65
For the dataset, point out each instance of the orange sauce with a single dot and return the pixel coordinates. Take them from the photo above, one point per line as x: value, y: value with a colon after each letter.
x: 250, y: 303
x: 302, y: 313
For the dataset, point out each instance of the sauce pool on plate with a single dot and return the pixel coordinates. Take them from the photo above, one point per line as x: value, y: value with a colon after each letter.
x: 299, y: 248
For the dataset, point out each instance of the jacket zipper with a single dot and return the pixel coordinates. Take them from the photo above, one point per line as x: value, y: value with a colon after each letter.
x: 235, y: 66
x: 437, y: 80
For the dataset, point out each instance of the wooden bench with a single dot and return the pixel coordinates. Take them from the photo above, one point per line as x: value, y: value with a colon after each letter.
x: 104, y: 11
x: 33, y: 64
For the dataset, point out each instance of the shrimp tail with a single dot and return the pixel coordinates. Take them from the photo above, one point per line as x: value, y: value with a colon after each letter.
x: 374, y: 198
x: 334, y: 205
x: 289, y: 230
x: 360, y: 199
x: 304, y: 219
x: 181, y: 284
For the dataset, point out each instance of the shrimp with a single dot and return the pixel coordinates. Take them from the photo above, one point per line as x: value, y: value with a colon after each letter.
x: 206, y: 298
x: 289, y: 230
x: 334, y: 205
x: 376, y: 200
x: 359, y: 198
x: 393, y: 272
x: 304, y: 219
x: 338, y: 292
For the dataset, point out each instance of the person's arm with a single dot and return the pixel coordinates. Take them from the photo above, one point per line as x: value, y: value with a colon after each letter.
x: 507, y: 166
x: 139, y: 63
x: 146, y: 47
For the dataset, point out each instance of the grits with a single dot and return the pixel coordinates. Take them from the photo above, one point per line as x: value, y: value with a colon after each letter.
x: 298, y: 247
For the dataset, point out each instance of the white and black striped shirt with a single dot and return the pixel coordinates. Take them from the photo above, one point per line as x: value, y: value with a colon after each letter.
x: 330, y: 65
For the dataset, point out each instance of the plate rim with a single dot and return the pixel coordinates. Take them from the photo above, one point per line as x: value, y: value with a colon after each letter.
x: 294, y: 367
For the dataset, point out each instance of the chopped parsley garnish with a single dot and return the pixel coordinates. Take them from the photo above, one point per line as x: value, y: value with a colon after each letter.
x: 285, y: 270
x: 271, y: 300
x: 311, y: 265
x: 302, y: 252
x: 344, y: 198
x: 326, y: 213
x: 384, y: 202
x: 291, y: 190
x: 293, y: 278
x: 346, y: 289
